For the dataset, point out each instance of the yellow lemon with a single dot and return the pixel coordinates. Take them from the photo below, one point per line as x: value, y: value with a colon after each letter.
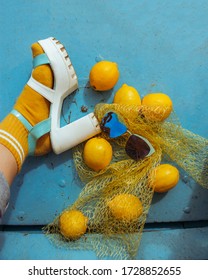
x: 97, y: 153
x: 158, y: 106
x: 104, y: 75
x: 72, y: 224
x: 164, y: 178
x: 127, y: 95
x: 125, y: 207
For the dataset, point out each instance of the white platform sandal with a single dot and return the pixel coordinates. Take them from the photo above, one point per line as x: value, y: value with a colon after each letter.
x: 65, y: 82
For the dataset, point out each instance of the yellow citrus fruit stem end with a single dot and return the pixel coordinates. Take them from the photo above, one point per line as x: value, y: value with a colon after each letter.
x: 127, y: 95
x: 104, y: 75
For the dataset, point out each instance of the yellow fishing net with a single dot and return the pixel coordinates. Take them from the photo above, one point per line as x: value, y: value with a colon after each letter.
x: 106, y: 235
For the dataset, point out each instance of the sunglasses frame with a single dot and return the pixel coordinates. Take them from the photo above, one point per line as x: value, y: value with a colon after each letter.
x: 152, y: 150
x: 107, y: 118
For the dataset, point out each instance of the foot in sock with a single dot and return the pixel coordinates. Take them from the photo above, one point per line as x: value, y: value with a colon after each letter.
x: 34, y: 108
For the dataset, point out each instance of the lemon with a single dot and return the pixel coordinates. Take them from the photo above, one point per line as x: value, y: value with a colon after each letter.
x: 97, y: 153
x: 72, y: 224
x: 159, y: 106
x: 127, y: 95
x: 164, y: 177
x: 125, y: 207
x: 104, y: 75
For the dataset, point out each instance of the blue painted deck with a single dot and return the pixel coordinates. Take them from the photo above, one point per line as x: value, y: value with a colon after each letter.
x: 159, y: 46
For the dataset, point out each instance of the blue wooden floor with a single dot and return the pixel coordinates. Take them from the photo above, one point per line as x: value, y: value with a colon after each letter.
x: 159, y: 46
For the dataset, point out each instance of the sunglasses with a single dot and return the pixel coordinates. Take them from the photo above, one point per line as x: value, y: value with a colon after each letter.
x: 137, y: 147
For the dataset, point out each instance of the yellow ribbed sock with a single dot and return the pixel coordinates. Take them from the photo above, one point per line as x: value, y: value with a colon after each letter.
x: 35, y: 108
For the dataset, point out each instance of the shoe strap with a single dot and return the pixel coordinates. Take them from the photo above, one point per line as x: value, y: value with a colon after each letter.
x: 46, y: 92
x: 40, y: 60
x: 35, y: 132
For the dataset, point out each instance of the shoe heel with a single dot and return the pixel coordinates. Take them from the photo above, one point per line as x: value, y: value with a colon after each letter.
x: 71, y: 135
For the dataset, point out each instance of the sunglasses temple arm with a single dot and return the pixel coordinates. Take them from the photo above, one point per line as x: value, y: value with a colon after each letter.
x: 129, y: 132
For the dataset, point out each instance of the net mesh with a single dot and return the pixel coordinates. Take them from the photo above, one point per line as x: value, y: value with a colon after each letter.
x: 106, y: 235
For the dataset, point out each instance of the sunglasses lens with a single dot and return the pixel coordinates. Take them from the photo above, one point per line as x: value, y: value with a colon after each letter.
x: 136, y: 148
x: 111, y: 125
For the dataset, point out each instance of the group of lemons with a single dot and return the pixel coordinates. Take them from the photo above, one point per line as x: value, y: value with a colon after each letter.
x: 98, y: 152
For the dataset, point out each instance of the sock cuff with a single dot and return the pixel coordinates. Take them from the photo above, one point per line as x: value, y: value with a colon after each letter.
x: 14, y: 136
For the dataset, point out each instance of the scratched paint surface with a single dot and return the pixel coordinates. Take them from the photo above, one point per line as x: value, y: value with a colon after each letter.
x: 158, y: 45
